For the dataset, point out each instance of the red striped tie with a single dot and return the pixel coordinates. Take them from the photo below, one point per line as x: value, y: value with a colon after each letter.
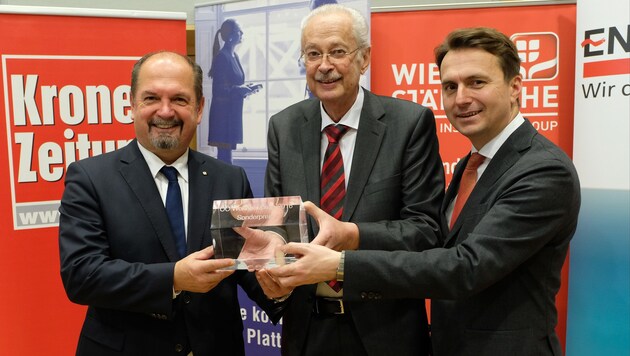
x: 333, y: 181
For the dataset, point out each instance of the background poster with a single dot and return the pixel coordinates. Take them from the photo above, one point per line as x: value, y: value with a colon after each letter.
x: 268, y: 55
x: 64, y: 96
x: 599, y: 288
x: 403, y: 64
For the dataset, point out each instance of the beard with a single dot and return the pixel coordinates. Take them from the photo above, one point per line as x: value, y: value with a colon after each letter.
x: 165, y: 141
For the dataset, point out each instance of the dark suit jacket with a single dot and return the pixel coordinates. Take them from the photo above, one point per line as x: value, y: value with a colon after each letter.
x: 394, y: 193
x: 494, y: 284
x: 118, y: 256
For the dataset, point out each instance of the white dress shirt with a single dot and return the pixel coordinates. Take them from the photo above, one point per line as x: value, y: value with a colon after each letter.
x: 181, y: 164
x: 346, y: 146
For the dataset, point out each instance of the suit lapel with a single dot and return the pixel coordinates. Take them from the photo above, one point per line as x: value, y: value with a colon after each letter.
x: 368, y: 143
x: 451, y: 193
x: 310, y: 135
x: 509, y: 153
x: 135, y: 171
x: 199, y: 202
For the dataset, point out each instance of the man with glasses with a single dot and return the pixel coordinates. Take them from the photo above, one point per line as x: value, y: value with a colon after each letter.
x: 386, y: 178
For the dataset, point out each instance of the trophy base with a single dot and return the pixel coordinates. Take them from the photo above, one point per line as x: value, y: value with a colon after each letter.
x: 255, y: 264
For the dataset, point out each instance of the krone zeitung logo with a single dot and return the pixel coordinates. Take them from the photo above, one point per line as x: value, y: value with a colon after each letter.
x: 59, y: 109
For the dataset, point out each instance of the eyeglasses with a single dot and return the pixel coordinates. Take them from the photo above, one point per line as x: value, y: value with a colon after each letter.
x: 334, y: 56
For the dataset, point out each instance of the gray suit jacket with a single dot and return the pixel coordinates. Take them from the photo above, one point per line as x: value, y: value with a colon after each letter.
x: 494, y: 284
x: 394, y: 193
x: 118, y: 255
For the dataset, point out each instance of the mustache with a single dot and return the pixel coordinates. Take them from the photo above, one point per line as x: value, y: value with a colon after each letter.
x: 164, y: 122
x: 327, y: 77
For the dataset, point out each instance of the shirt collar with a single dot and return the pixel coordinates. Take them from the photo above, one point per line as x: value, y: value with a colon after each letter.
x: 491, y: 148
x: 155, y: 163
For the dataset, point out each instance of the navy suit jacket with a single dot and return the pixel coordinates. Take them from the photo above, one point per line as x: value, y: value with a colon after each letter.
x: 394, y: 193
x: 118, y: 257
x: 493, y: 285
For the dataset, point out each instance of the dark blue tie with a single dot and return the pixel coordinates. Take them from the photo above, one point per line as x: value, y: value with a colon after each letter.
x: 174, y: 209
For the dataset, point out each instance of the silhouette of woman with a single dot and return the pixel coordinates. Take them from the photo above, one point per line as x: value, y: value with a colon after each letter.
x: 314, y: 4
x: 228, y: 92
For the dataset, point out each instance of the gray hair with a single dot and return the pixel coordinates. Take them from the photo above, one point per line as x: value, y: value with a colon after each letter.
x: 359, y: 24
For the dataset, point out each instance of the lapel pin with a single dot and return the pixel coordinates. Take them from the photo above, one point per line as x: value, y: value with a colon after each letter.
x: 204, y: 173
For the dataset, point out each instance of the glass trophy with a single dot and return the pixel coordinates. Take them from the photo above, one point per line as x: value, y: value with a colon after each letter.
x: 250, y: 230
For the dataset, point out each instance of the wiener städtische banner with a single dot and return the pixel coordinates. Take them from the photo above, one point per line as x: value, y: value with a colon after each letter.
x: 64, y: 96
x: 403, y: 66
x: 599, y: 284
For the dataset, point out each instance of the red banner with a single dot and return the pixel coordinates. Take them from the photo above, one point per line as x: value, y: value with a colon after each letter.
x: 64, y: 97
x: 403, y: 66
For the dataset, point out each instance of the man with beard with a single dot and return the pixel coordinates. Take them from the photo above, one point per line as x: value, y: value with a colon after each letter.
x: 148, y: 279
x: 389, y: 190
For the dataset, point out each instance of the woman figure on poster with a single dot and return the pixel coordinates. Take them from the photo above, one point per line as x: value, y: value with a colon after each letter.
x: 228, y: 91
x: 313, y: 4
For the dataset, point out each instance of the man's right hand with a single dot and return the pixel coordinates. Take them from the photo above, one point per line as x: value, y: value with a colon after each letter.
x: 334, y: 234
x: 198, y: 273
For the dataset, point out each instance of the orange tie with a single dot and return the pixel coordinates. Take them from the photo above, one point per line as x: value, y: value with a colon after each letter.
x: 469, y: 178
